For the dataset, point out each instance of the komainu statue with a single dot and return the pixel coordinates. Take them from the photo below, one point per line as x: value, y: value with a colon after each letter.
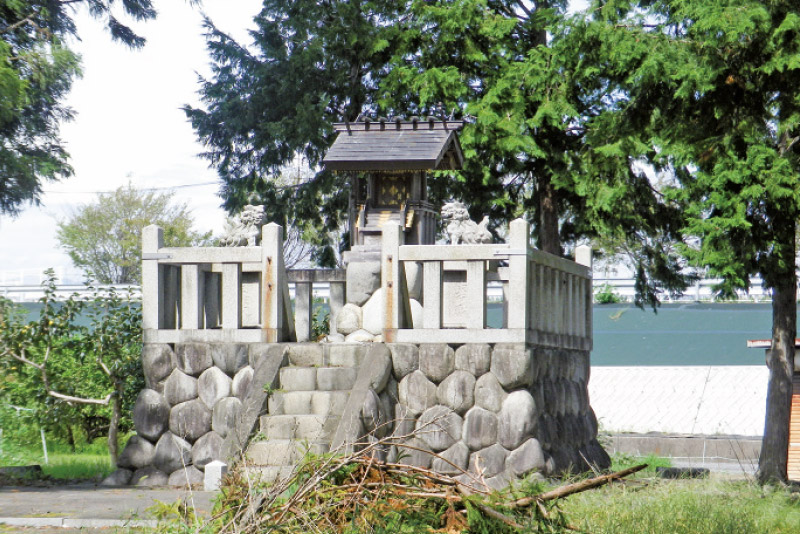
x: 244, y: 230
x: 460, y: 229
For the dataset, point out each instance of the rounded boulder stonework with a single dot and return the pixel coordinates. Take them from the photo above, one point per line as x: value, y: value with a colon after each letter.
x: 436, y: 360
x: 138, y: 453
x: 405, y: 359
x: 158, y: 361
x: 225, y: 415
x: 193, y: 358
x: 517, y: 419
x: 212, y: 386
x: 480, y: 428
x: 150, y: 414
x: 241, y: 382
x: 439, y: 427
x: 207, y: 449
x: 457, y: 391
x: 180, y: 387
x: 229, y: 357
x: 417, y: 393
x: 172, y: 453
x: 512, y: 365
x: 190, y: 420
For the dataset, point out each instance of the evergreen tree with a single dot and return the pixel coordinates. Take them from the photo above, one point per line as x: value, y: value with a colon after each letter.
x: 713, y: 86
x: 531, y: 143
x: 36, y: 73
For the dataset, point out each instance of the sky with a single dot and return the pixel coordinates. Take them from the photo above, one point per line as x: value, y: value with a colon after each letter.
x: 128, y: 127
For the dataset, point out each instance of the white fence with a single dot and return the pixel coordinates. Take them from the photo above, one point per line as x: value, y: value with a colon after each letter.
x: 706, y: 400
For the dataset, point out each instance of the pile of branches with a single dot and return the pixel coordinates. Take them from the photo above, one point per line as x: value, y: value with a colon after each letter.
x: 357, y: 493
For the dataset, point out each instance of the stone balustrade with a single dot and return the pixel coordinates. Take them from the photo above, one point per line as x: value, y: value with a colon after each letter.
x: 547, y: 299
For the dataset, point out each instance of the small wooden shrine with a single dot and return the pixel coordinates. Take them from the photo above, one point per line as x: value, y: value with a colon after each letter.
x: 388, y: 161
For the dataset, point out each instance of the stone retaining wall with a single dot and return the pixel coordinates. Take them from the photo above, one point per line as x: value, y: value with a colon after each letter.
x: 504, y: 410
x: 501, y: 411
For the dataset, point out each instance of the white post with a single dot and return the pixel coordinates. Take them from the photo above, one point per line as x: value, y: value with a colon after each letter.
x: 392, y: 278
x: 192, y: 293
x: 303, y: 310
x: 152, y: 299
x: 44, y: 446
x: 518, y: 240
x: 231, y: 296
x: 432, y: 289
x: 337, y: 292
x: 277, y: 320
x: 476, y: 293
x: 583, y: 256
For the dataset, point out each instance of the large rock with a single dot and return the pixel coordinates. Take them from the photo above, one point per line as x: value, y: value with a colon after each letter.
x: 489, y: 394
x: 189, y: 420
x: 225, y: 415
x: 359, y: 336
x: 158, y: 361
x: 439, y: 427
x: 414, y: 277
x: 436, y: 360
x: 512, y: 364
x: 120, y: 477
x: 489, y: 461
x: 474, y: 358
x: 379, y: 359
x: 416, y: 313
x: 241, y: 382
x: 348, y: 320
x: 180, y: 387
x: 373, y: 313
x: 172, y: 453
x: 229, y: 357
x: 193, y: 358
x: 457, y: 391
x: 417, y: 454
x: 526, y: 458
x: 453, y: 461
x: 517, y: 419
x: 138, y: 453
x: 148, y: 477
x: 405, y: 359
x: 363, y: 279
x: 371, y: 411
x: 150, y: 414
x: 189, y: 476
x: 212, y: 386
x: 480, y: 428
x: 417, y: 393
x: 207, y: 449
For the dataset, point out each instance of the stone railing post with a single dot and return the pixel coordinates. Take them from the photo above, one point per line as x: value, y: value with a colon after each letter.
x: 392, y: 280
x: 583, y: 256
x: 518, y: 271
x: 272, y: 266
x: 337, y: 293
x: 152, y: 297
x: 302, y: 310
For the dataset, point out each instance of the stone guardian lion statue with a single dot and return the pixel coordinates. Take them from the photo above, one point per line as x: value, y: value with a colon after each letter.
x: 460, y: 229
x: 244, y: 230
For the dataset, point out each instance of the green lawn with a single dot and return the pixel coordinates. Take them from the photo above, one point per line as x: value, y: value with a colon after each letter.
x: 87, y: 462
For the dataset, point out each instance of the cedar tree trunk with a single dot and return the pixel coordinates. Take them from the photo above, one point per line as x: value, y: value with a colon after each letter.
x: 772, y: 461
x: 549, y: 238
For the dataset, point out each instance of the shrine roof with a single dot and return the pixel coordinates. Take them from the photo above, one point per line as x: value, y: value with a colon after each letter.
x: 396, y: 145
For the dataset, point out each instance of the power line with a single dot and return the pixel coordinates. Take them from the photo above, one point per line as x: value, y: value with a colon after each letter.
x: 183, y: 186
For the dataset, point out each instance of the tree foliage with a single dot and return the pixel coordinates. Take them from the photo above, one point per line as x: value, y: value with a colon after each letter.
x: 104, y: 238
x: 36, y: 73
x: 77, y: 363
x: 535, y: 111
x: 712, y: 88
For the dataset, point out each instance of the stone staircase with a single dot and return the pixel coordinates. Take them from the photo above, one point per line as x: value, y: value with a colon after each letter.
x: 304, y: 412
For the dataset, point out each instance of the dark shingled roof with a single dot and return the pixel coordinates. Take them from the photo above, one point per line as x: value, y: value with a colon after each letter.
x: 395, y: 145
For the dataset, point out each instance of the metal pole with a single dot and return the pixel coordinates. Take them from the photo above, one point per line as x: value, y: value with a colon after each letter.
x: 44, y: 446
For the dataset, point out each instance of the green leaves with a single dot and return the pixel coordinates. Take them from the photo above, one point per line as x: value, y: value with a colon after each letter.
x: 104, y: 238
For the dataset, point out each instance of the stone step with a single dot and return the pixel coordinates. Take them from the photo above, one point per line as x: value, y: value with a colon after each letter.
x: 326, y: 355
x: 308, y: 402
x: 311, y: 428
x: 317, y: 378
x: 282, y: 452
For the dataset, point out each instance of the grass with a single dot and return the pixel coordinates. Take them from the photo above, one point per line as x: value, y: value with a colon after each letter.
x: 622, y: 461
x: 685, y: 507
x: 87, y: 462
